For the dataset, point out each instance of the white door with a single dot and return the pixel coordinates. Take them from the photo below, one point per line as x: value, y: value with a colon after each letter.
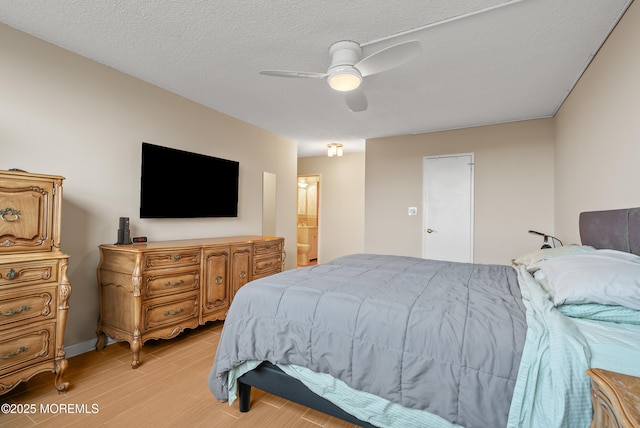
x: 448, y: 208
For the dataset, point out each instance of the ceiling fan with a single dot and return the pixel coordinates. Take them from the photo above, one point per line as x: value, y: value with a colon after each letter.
x: 348, y: 68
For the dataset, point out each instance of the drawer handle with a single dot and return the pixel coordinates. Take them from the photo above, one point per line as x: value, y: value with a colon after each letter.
x: 218, y: 279
x: 173, y: 284
x: 243, y: 274
x: 11, y: 274
x: 176, y: 312
x: 177, y: 257
x: 9, y: 215
x: 22, y: 308
x: 20, y: 350
x: 268, y: 263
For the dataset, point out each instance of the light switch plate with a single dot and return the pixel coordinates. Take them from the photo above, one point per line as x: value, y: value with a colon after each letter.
x: 413, y: 211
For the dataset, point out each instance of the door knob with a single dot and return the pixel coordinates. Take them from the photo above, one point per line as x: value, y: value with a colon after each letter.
x: 431, y: 230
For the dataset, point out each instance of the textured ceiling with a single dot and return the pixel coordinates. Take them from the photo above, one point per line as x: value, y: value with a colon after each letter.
x: 482, y: 61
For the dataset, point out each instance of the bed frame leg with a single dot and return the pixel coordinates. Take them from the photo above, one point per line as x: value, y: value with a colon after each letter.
x: 244, y: 397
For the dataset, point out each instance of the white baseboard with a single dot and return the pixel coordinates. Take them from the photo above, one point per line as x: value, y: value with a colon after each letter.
x: 82, y: 347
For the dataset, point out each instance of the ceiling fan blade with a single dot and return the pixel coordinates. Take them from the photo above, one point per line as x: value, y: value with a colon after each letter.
x: 280, y: 73
x: 389, y: 58
x: 356, y: 101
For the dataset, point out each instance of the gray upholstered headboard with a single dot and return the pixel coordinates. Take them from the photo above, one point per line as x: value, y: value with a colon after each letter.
x: 613, y: 229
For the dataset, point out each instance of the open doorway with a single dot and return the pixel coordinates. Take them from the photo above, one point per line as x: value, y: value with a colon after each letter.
x: 308, y: 221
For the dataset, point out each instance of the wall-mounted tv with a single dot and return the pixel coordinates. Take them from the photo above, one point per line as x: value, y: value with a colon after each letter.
x: 179, y: 184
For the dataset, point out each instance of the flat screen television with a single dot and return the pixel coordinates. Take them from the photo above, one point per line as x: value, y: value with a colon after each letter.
x: 179, y: 184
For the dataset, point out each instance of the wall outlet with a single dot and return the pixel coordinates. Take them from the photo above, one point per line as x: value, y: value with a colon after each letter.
x: 413, y: 210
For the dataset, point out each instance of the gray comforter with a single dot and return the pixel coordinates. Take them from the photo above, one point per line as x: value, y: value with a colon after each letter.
x: 431, y: 335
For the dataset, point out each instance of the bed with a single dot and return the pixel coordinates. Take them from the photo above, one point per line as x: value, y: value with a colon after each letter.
x: 383, y: 340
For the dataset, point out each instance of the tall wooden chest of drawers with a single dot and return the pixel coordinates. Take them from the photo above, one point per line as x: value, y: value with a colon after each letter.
x: 34, y: 288
x: 156, y: 290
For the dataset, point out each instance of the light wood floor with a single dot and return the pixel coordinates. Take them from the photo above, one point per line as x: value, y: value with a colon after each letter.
x: 169, y: 389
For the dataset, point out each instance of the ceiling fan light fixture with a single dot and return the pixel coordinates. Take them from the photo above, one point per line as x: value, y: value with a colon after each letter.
x: 344, y: 78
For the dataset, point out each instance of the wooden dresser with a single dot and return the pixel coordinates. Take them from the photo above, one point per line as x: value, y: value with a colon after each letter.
x: 157, y: 289
x: 34, y: 288
x: 616, y: 399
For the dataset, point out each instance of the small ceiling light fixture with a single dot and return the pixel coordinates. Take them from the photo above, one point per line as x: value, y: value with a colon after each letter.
x: 334, y: 150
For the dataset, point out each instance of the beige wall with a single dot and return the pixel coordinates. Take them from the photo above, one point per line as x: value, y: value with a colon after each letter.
x: 341, y: 229
x: 598, y: 132
x: 513, y: 186
x: 64, y: 114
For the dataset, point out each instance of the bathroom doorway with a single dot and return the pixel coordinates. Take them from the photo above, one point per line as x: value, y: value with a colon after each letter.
x: 308, y: 220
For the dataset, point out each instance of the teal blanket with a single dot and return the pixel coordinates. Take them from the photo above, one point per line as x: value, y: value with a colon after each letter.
x: 553, y: 389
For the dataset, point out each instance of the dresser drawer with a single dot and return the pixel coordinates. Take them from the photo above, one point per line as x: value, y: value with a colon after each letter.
x: 163, y: 311
x: 268, y: 264
x: 26, y: 215
x: 23, y: 347
x: 163, y: 283
x: 172, y: 259
x: 267, y: 247
x: 24, y: 273
x: 32, y: 304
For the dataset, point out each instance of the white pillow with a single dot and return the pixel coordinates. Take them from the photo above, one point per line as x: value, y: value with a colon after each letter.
x: 602, y: 276
x: 533, y: 259
x: 618, y: 255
